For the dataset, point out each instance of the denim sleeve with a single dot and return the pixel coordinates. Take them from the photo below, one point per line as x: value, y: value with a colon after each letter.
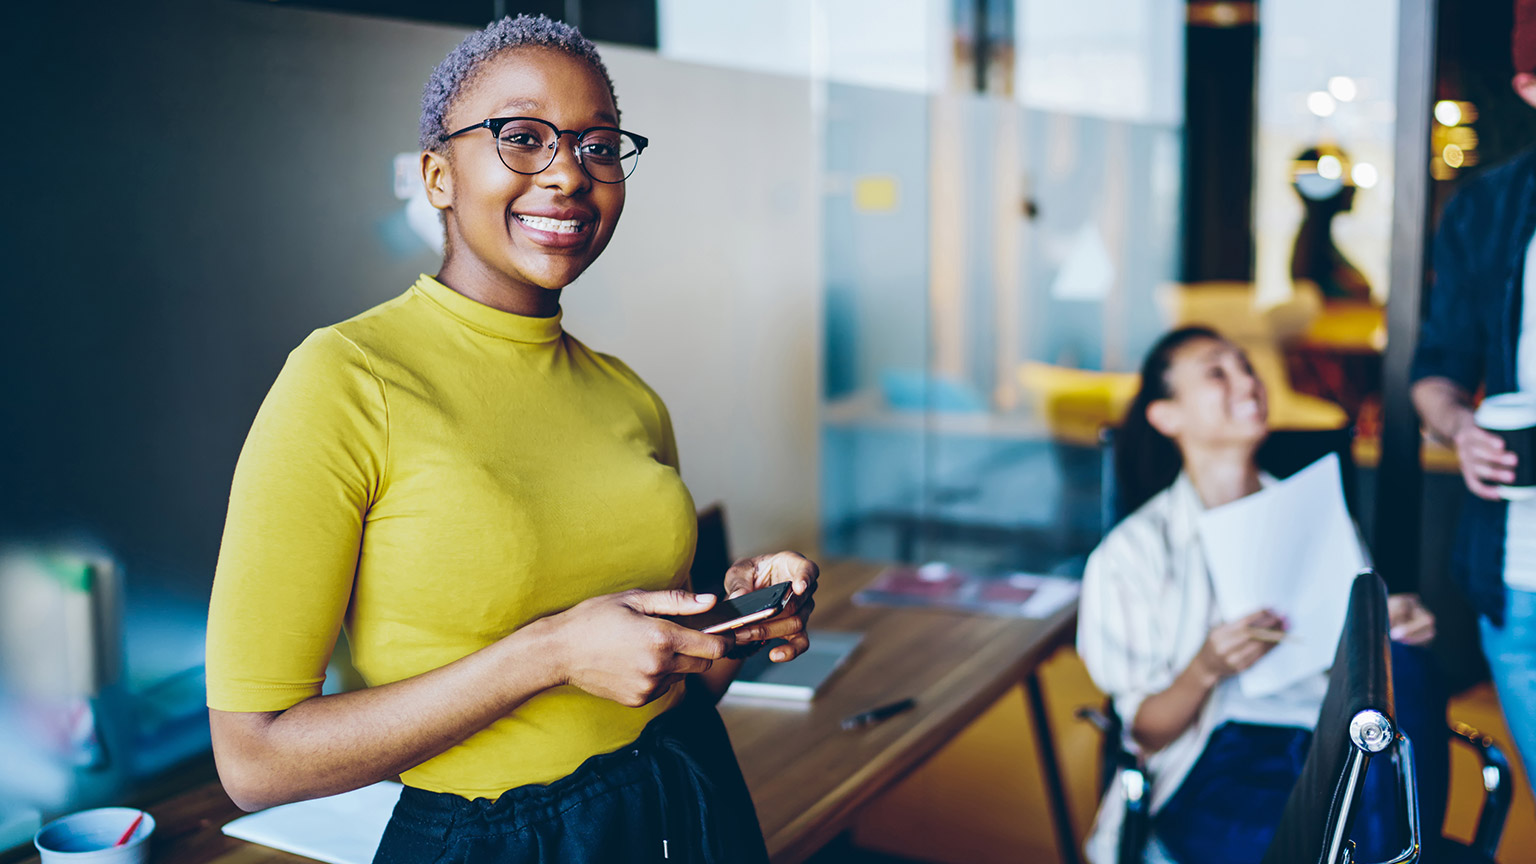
x: 1451, y: 339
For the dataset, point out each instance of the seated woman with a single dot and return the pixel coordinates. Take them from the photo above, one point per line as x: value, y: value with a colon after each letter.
x: 1222, y: 764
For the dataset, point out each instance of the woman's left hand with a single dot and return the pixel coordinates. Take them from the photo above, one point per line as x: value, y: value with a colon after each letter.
x: 1411, y: 623
x: 751, y: 574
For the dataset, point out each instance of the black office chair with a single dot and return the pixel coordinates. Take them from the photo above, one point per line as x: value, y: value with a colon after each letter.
x: 1285, y: 452
x: 1354, y: 726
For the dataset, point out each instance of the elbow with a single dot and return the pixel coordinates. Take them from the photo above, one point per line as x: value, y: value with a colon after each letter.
x: 1147, y: 744
x: 237, y: 785
x: 249, y: 772
x: 244, y: 802
x: 243, y: 782
x: 1149, y: 737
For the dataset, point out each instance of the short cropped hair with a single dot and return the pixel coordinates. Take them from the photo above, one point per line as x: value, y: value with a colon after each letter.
x: 462, y: 63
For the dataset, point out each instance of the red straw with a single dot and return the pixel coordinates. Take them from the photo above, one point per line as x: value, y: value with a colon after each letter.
x: 131, y: 828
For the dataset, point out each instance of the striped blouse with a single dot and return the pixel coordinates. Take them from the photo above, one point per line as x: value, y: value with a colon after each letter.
x: 1147, y: 606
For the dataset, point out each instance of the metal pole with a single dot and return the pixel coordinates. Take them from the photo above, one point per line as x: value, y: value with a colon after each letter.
x: 1399, y: 480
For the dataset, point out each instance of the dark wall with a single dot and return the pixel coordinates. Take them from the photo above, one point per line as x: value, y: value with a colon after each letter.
x: 629, y: 22
x: 196, y: 185
x: 1219, y: 103
x: 1475, y: 64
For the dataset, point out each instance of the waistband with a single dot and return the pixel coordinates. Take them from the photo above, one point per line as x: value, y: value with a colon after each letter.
x: 674, y: 750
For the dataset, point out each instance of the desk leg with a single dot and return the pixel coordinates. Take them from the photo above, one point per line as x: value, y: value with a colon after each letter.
x: 1056, y: 796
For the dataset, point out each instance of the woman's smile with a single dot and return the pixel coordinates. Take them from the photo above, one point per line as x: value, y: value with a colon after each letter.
x: 1247, y: 409
x: 556, y: 228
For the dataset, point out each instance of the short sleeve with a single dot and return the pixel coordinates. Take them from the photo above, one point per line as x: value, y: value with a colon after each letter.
x: 312, y: 465
x: 1117, y: 632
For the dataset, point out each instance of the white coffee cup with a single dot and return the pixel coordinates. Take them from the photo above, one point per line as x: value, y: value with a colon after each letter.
x: 1512, y: 417
x: 87, y: 837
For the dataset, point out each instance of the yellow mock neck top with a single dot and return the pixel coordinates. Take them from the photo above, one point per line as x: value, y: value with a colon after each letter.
x: 432, y: 475
x: 488, y: 320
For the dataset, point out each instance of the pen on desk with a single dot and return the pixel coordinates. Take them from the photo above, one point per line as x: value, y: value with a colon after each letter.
x: 875, y: 715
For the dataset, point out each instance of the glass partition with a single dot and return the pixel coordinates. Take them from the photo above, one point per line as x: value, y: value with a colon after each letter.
x: 995, y: 265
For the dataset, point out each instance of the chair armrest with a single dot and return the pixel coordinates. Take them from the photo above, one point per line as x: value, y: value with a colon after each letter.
x: 1498, y: 788
x: 1136, y: 787
x: 1123, y: 768
x: 1116, y: 757
x: 1100, y: 719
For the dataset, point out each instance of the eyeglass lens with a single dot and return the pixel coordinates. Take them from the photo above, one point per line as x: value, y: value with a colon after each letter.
x: 528, y: 147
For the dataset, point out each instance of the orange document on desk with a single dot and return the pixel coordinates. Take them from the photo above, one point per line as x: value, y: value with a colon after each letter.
x: 938, y: 585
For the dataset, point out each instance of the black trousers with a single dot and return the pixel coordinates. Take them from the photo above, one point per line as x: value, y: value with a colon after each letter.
x: 675, y: 795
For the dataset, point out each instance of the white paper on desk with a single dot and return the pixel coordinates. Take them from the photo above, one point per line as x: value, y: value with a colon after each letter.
x: 341, y: 829
x: 1292, y: 548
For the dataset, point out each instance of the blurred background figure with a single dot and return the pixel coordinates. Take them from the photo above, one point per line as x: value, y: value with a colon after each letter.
x: 1322, y: 178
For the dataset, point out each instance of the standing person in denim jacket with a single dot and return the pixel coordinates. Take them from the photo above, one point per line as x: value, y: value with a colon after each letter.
x: 1480, y: 330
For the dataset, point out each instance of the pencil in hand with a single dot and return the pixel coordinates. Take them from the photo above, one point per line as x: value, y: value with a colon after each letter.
x: 1264, y: 634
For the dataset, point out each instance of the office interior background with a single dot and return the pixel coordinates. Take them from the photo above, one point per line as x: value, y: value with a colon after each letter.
x: 890, y: 320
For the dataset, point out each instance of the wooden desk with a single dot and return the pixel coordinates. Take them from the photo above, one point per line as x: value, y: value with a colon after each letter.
x: 807, y: 776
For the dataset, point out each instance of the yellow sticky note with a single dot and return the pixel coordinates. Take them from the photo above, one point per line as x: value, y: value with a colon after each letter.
x: 877, y: 193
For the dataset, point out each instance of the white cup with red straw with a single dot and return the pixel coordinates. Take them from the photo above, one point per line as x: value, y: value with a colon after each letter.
x: 106, y: 835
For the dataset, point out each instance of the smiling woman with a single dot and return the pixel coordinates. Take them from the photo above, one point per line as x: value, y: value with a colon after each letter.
x: 494, y: 513
x: 1153, y: 637
x: 518, y: 231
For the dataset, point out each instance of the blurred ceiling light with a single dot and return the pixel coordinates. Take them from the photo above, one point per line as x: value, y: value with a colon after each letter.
x: 1447, y: 112
x: 1330, y: 167
x: 1320, y: 103
x: 1453, y: 156
x: 1342, y: 87
x: 1464, y: 137
x: 1364, y: 175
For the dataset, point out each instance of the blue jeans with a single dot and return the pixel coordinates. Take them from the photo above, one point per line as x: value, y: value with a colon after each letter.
x: 674, y: 795
x: 1228, y: 808
x: 1511, y: 652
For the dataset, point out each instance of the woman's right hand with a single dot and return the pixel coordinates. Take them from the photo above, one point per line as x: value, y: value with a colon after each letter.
x: 1237, y: 645
x: 615, y: 647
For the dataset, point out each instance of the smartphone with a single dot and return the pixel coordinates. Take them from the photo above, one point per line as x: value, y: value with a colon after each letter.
x: 740, y: 611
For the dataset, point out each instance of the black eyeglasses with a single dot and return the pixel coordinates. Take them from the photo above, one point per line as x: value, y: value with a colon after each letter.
x: 528, y: 145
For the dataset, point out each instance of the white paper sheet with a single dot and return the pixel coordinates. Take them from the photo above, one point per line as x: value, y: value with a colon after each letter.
x: 1291, y: 548
x: 341, y: 829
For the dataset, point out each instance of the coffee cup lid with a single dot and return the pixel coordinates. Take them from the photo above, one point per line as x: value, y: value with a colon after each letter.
x: 1507, y: 411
